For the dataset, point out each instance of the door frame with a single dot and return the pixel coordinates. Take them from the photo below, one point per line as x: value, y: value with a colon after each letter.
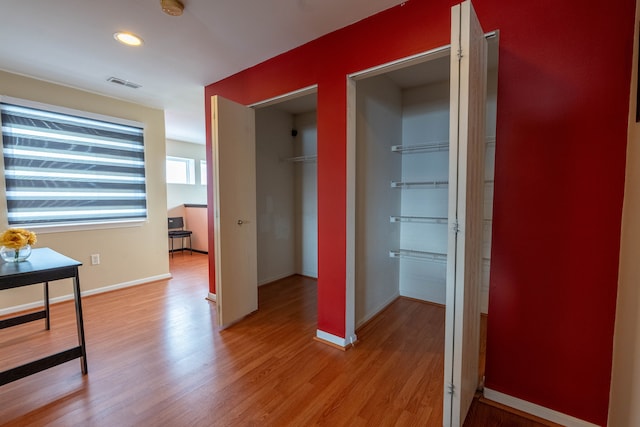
x: 308, y: 90
x: 351, y: 80
x: 260, y: 104
x: 275, y: 101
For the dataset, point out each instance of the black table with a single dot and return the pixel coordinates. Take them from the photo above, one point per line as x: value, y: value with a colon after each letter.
x: 43, y: 266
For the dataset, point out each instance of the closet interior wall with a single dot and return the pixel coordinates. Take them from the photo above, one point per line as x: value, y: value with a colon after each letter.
x: 286, y: 193
x: 378, y: 123
x: 306, y: 194
x: 402, y: 167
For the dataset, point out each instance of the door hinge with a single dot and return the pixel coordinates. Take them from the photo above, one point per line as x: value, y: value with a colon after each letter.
x: 455, y: 227
x: 460, y: 54
x: 450, y: 388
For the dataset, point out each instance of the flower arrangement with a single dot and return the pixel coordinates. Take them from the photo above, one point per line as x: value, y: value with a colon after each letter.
x: 13, y: 241
x: 16, y: 238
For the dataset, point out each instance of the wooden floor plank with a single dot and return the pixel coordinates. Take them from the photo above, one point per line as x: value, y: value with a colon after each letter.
x: 156, y: 357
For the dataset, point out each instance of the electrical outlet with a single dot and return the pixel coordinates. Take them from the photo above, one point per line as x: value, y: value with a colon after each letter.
x: 95, y: 259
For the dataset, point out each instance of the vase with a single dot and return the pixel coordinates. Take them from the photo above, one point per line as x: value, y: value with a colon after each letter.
x: 15, y: 255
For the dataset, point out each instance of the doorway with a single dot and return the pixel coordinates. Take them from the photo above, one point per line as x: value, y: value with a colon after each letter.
x: 286, y: 187
x: 402, y: 167
x: 248, y: 154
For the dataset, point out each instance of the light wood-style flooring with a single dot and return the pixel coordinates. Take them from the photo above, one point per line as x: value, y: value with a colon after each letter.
x: 157, y: 358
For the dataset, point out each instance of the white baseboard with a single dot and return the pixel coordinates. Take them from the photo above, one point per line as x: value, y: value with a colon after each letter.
x: 377, y: 310
x: 335, y: 340
x: 309, y: 273
x: 274, y: 278
x: 537, y: 410
x: 424, y: 296
x: 37, y: 304
x: 124, y: 285
x: 31, y: 305
x: 211, y: 297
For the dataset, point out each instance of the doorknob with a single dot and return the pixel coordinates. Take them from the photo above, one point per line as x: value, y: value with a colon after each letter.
x: 240, y: 222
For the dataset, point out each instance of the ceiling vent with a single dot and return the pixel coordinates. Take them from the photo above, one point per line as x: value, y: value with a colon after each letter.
x: 123, y: 82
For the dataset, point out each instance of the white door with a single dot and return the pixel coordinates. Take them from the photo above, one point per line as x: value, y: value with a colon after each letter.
x: 234, y: 195
x: 466, y: 182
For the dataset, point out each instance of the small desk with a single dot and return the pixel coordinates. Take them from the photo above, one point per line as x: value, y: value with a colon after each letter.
x: 44, y: 265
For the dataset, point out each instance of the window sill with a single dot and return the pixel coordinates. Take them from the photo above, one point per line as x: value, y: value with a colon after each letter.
x: 88, y: 226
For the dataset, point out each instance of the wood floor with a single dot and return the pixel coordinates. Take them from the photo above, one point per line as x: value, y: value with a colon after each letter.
x: 156, y: 358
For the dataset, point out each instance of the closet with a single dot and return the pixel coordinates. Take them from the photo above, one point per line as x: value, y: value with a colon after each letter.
x: 286, y: 189
x: 264, y: 196
x: 402, y: 183
x: 401, y: 186
x: 421, y: 138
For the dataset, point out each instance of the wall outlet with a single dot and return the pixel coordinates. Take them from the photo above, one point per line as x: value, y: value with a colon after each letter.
x: 95, y: 259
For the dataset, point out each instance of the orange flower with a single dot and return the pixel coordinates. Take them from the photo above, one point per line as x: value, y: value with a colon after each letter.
x: 16, y: 238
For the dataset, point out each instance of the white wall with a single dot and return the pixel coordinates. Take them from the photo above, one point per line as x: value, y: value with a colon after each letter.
x: 378, y: 127
x: 275, y: 195
x: 128, y: 255
x: 306, y: 195
x: 425, y: 119
x: 624, y: 407
x: 179, y: 194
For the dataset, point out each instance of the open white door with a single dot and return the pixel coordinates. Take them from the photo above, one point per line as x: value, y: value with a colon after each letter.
x: 234, y: 180
x: 466, y: 180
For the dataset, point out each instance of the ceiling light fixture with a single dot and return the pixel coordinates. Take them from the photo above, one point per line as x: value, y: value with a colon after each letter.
x: 172, y: 7
x: 129, y: 39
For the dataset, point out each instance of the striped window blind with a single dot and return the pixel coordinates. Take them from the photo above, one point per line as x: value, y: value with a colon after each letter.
x: 63, y: 169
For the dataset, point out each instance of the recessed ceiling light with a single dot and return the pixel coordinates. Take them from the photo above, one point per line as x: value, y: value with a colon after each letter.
x: 127, y: 38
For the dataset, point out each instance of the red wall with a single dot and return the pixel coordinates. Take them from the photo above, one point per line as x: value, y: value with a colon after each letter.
x: 563, y: 87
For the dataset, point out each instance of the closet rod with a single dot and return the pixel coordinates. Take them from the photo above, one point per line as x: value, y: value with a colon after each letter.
x: 427, y: 147
x: 418, y: 255
x: 421, y: 219
x: 433, y: 146
x: 432, y: 184
x: 428, y: 219
x: 298, y: 159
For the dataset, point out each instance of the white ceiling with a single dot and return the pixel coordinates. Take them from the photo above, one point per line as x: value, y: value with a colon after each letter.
x: 71, y: 42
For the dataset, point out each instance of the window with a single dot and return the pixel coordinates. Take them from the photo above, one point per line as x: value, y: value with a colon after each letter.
x: 180, y: 171
x: 203, y: 172
x: 64, y: 167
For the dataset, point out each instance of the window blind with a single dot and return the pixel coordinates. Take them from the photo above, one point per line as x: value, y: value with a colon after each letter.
x: 67, y: 169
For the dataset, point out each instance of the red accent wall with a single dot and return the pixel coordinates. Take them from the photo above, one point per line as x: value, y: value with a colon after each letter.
x: 563, y: 90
